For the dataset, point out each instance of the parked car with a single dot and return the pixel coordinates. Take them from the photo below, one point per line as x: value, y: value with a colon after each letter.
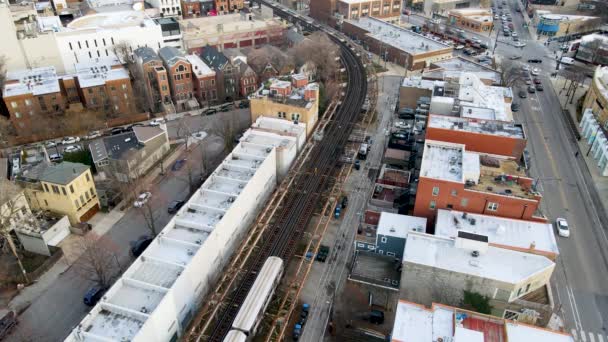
x: 93, y: 295
x: 156, y: 122
x: 139, y: 246
x: 178, y: 164
x: 244, y: 104
x: 70, y: 140
x: 562, y: 227
x: 72, y: 149
x: 117, y: 130
x: 535, y: 72
x: 535, y: 60
x: 567, y: 60
x: 142, y: 199
x: 175, y: 206
x: 515, y: 107
x: 459, y: 47
x: 92, y: 135
x: 531, y: 90
x: 539, y: 87
x: 514, y: 57
x: 528, y: 81
x: 522, y: 94
x: 50, y: 144
x: 210, y: 111
x: 525, y: 67
x: 8, y: 321
x: 56, y: 157
x: 226, y: 107
x: 519, y: 44
x: 537, y: 81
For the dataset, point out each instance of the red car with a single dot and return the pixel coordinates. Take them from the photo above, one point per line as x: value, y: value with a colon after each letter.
x: 537, y: 81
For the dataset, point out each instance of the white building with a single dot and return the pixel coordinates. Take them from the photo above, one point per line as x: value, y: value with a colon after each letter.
x: 591, y: 132
x: 481, y: 101
x: 416, y: 323
x: 282, y: 127
x: 524, y: 236
x: 95, y: 36
x: 167, y: 8
x: 159, y: 294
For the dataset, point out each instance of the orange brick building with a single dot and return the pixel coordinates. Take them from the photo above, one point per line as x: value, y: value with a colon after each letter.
x: 485, y: 136
x: 203, y: 81
x: 228, y: 6
x: 155, y: 76
x: 105, y: 87
x: 31, y: 94
x: 180, y: 74
x: 453, y: 178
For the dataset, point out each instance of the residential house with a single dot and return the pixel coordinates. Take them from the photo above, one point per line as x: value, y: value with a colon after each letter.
x: 203, y: 79
x: 129, y: 155
x: 105, y: 86
x: 247, y: 78
x: 226, y: 73
x: 197, y: 8
x: 65, y: 188
x: 179, y: 71
x: 155, y: 77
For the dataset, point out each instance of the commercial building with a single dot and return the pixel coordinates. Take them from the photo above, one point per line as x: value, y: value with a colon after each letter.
x: 417, y: 323
x: 228, y: 6
x: 452, y: 69
x: 485, y: 136
x: 278, y: 98
x: 397, y: 44
x: 518, y: 235
x: 468, y: 263
x: 179, y: 71
x: 414, y: 87
x: 473, y: 19
x: 155, y: 77
x: 32, y: 94
x: 595, y: 135
x: 480, y: 101
x: 197, y: 8
x: 388, y: 10
x: 107, y: 87
x: 451, y: 177
x: 549, y: 25
x: 231, y: 31
x: 597, y: 95
x: 65, y: 188
x: 593, y: 48
x: 282, y: 127
x: 226, y: 73
x: 442, y: 7
x: 203, y: 81
x: 324, y: 11
x: 157, y: 296
x: 128, y: 156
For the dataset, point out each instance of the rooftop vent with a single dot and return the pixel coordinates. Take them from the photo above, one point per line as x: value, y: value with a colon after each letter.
x: 475, y: 254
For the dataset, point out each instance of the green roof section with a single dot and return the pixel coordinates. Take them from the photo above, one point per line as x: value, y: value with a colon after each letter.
x: 62, y: 173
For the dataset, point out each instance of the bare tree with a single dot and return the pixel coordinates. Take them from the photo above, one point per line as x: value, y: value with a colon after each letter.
x: 510, y: 72
x: 143, y: 98
x: 321, y: 51
x: 225, y: 130
x: 12, y: 201
x: 98, y: 261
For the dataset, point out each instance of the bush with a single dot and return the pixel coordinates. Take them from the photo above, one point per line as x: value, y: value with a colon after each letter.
x: 477, y: 302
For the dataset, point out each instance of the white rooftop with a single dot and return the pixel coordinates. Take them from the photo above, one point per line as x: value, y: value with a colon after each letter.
x: 474, y: 93
x: 395, y: 36
x: 399, y: 225
x: 276, y: 83
x: 132, y: 300
x: 523, y: 332
x: 419, y: 82
x: 96, y: 74
x: 111, y: 20
x: 443, y: 160
x: 415, y: 323
x: 500, y: 231
x: 481, y: 126
x: 37, y: 81
x: 199, y: 67
x: 279, y: 125
x: 494, y: 263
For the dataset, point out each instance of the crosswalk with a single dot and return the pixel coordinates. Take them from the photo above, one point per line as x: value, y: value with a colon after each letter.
x: 587, y: 336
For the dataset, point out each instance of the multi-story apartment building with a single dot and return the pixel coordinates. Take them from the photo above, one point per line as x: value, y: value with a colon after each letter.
x: 180, y: 74
x: 324, y: 10
x: 197, y: 8
x: 32, y: 94
x: 226, y: 73
x: 247, y: 80
x: 228, y: 6
x: 167, y: 8
x: 451, y: 177
x: 203, y: 81
x: 105, y: 87
x: 388, y: 10
x: 155, y: 76
x: 65, y: 188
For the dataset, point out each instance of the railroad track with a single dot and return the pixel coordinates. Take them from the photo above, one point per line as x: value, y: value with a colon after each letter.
x: 299, y: 204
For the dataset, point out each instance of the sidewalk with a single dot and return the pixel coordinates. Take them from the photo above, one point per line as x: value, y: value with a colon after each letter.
x: 600, y: 182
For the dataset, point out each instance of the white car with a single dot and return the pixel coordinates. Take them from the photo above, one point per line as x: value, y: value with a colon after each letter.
x: 562, y: 227
x: 535, y: 71
x: 142, y: 199
x: 71, y: 149
x: 459, y: 47
x: 519, y: 44
x: 525, y: 67
x: 50, y: 144
x: 93, y: 135
x: 156, y: 122
x: 567, y: 60
x: 69, y: 140
x: 514, y: 34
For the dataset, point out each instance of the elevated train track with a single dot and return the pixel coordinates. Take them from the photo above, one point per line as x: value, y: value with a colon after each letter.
x: 300, y: 202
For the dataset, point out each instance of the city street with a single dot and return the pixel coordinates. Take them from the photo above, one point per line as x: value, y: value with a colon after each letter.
x: 580, y: 287
x: 60, y: 308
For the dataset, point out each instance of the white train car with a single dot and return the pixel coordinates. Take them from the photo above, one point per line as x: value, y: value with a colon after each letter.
x: 235, y: 336
x: 252, y: 310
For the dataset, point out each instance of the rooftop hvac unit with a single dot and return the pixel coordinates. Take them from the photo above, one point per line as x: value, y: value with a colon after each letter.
x: 241, y: 186
x: 190, y: 252
x: 231, y: 200
x: 199, y: 241
x: 475, y: 254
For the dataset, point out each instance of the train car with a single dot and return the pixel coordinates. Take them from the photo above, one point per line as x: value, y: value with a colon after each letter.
x: 235, y: 336
x: 260, y: 294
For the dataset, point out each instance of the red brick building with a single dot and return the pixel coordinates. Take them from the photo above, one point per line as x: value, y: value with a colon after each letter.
x: 453, y: 178
x: 180, y: 74
x: 486, y: 136
x: 203, y: 81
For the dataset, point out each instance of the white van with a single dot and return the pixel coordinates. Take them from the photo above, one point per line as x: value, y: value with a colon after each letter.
x: 567, y: 60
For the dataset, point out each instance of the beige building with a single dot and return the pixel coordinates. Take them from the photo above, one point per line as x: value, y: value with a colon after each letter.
x: 388, y: 10
x: 66, y: 188
x: 473, y: 19
x: 279, y: 99
x: 597, y: 96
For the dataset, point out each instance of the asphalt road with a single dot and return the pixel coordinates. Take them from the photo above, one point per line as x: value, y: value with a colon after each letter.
x: 580, y: 283
x: 52, y: 316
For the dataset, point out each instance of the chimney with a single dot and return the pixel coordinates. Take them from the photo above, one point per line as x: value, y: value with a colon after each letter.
x: 533, y: 245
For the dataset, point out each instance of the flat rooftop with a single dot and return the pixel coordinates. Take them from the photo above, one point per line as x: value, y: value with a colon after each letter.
x: 279, y: 126
x: 97, y: 74
x: 418, y: 82
x: 494, y: 263
x: 112, y: 20
x: 399, y: 225
x: 199, y: 67
x: 480, y: 126
x: 223, y: 24
x: 473, y: 93
x: 442, y: 160
x: 501, y: 176
x: 375, y: 268
x: 416, y: 323
x: 500, y: 231
x: 397, y: 37
x: 453, y: 67
x: 37, y: 81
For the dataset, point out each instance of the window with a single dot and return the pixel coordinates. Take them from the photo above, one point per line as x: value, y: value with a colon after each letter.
x: 86, y: 175
x: 46, y: 187
x: 70, y: 46
x: 432, y: 205
x: 82, y: 199
x: 92, y: 192
x: 17, y: 115
x: 390, y: 254
x: 14, y: 104
x: 464, y: 202
x: 90, y: 55
x: 124, y: 87
x: 112, y: 39
x: 63, y: 190
x: 86, y: 43
x: 492, y: 206
x: 104, y: 42
x: 454, y: 192
x: 383, y: 239
x: 95, y: 41
x: 71, y: 188
x: 435, y: 190
x: 76, y: 203
x: 79, y: 46
x: 87, y: 195
x: 360, y: 245
x: 55, y: 189
x: 46, y: 203
x: 527, y: 287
